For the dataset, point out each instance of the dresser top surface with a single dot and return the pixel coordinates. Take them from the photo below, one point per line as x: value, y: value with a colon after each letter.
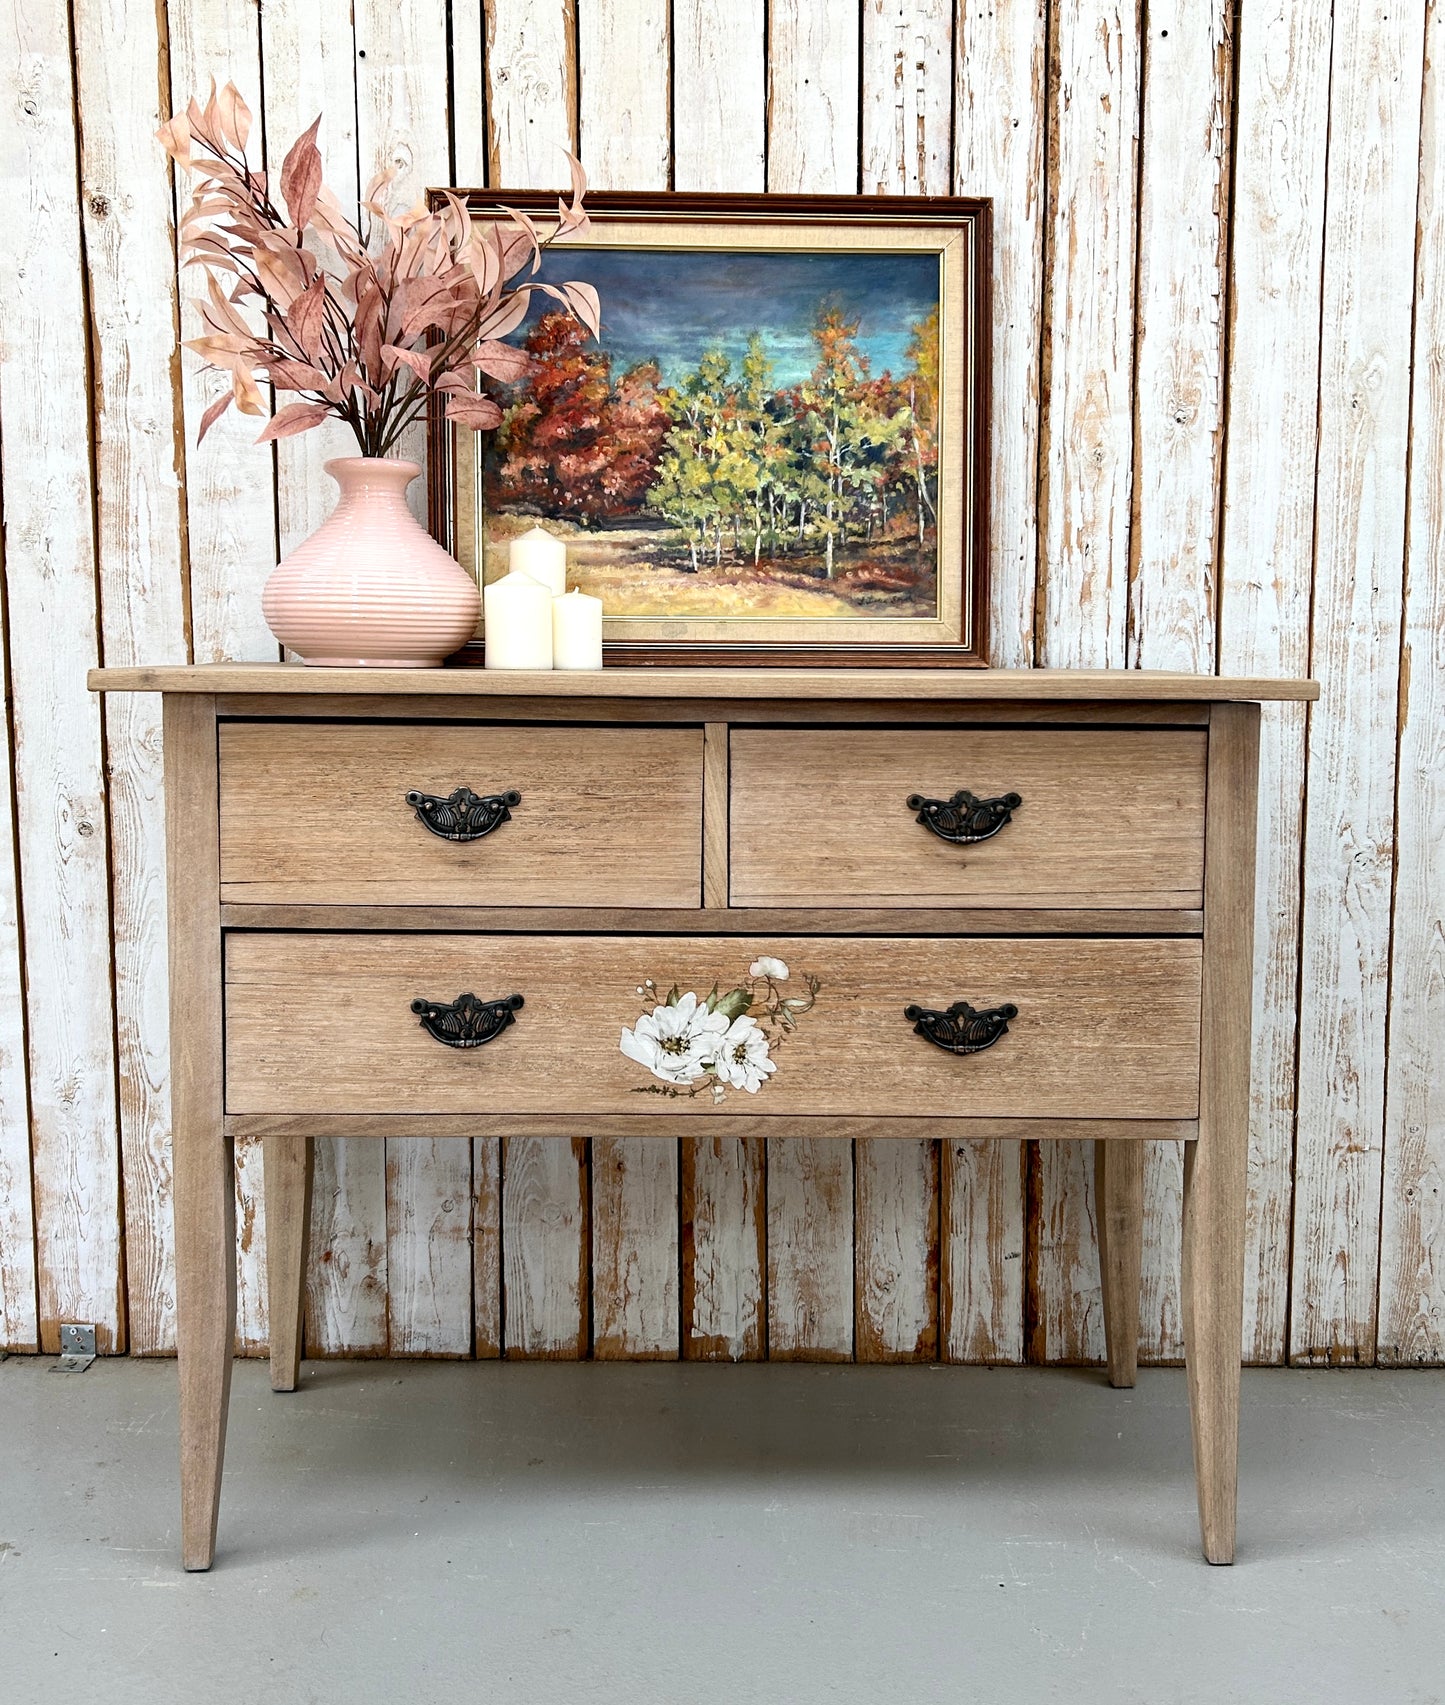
x: 949, y: 686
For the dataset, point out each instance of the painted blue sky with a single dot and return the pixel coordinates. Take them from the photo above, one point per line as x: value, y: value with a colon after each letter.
x: 670, y: 306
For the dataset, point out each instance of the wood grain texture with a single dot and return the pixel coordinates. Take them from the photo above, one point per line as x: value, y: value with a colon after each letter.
x: 724, y: 1185
x: 428, y: 1247
x: 895, y: 1251
x: 1412, y: 1255
x: 126, y: 214
x: 487, y: 1299
x: 914, y: 688
x: 230, y: 504
x: 1215, y: 1166
x: 813, y: 96
x: 1178, y: 443
x: 1268, y: 523
x: 531, y: 55
x: 998, y: 151
x: 50, y: 589
x: 810, y: 1250
x: 1119, y: 1193
x: 324, y: 1023
x: 982, y: 1247
x: 635, y: 1261
x: 607, y: 816
x: 205, y: 1195
x: 866, y: 847
x: 286, y: 1168
x: 719, y: 95
x: 623, y: 59
x: 907, y: 59
x: 1355, y: 645
x: 545, y: 1247
x: 346, y: 1284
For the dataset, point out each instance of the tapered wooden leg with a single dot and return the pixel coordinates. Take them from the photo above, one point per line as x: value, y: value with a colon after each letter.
x: 1119, y: 1202
x: 286, y: 1162
x: 205, y: 1204
x: 202, y: 1162
x: 1215, y: 1165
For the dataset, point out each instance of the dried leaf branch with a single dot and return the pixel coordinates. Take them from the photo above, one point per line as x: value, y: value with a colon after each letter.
x: 361, y: 320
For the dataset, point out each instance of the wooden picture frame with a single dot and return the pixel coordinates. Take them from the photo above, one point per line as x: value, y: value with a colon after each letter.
x: 888, y: 599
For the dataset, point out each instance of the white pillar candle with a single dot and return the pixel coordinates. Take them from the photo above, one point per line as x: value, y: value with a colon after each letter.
x: 517, y: 623
x: 577, y: 631
x: 537, y: 553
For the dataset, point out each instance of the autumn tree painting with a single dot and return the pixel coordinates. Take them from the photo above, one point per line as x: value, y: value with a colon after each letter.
x: 772, y: 468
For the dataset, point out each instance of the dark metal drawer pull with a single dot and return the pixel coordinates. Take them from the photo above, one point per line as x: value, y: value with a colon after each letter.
x: 965, y: 817
x: 467, y: 1022
x: 962, y: 1029
x: 463, y: 815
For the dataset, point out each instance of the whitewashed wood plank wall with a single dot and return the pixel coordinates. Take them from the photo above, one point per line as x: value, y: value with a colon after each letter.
x: 1219, y: 443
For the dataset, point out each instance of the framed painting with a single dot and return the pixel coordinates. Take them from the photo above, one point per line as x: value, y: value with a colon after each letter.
x: 776, y: 452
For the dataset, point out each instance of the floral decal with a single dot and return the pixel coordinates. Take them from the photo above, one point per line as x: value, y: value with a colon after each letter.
x: 707, y: 1044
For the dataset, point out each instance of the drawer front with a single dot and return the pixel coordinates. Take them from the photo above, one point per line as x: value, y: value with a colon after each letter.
x: 821, y: 817
x: 328, y: 1024
x: 318, y: 813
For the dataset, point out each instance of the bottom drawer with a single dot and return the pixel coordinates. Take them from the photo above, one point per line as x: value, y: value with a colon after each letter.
x: 807, y: 1025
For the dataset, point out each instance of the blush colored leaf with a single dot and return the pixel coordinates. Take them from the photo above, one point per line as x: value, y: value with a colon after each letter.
x: 416, y: 359
x: 234, y: 116
x: 508, y: 314
x: 502, y: 361
x: 307, y: 317
x: 294, y: 418
x: 586, y: 305
x: 479, y: 413
x: 301, y: 176
x: 175, y: 137
x: 214, y: 413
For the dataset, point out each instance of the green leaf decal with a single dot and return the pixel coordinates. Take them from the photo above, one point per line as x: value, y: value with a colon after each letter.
x: 733, y: 1004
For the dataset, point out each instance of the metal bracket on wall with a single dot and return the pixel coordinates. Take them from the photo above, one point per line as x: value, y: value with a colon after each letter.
x: 77, y: 1349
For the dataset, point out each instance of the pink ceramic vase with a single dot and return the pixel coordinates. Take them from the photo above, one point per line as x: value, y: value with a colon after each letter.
x: 371, y: 587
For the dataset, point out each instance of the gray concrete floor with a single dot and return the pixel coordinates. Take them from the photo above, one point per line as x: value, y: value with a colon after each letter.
x: 765, y: 1535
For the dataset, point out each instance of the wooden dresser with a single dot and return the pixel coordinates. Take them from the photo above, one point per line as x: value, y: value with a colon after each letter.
x: 882, y: 903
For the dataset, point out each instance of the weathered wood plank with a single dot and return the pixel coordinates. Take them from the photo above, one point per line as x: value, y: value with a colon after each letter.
x: 531, y: 60
x: 1282, y: 94
x: 401, y: 122
x: 623, y: 93
x: 719, y: 95
x: 998, y: 150
x: 812, y: 148
x: 19, y: 1323
x: 1178, y: 433
x: 428, y: 1247
x: 896, y: 1252
x: 635, y: 1258
x: 906, y: 84
x: 813, y: 118
x: 724, y: 1182
x: 230, y: 530
x: 469, y: 93
x: 810, y: 1249
x: 545, y: 1247
x: 719, y: 91
x: 1085, y: 484
x: 907, y: 96
x: 530, y: 83
x: 126, y: 210
x: 982, y: 1246
x: 53, y: 620
x: 1369, y: 257
x: 486, y: 1248
x: 309, y: 50
x: 1412, y: 1256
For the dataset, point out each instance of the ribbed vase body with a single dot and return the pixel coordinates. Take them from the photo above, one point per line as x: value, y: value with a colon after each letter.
x: 371, y: 587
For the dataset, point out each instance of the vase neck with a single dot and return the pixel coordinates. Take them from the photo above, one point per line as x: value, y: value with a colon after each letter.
x: 372, y: 477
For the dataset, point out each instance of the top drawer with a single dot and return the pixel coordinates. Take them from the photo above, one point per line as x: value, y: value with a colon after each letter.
x: 317, y: 813
x: 1113, y: 818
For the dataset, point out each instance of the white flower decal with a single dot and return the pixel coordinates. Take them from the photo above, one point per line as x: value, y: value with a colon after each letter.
x: 675, y: 1042
x: 742, y: 1056
x: 707, y: 1044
